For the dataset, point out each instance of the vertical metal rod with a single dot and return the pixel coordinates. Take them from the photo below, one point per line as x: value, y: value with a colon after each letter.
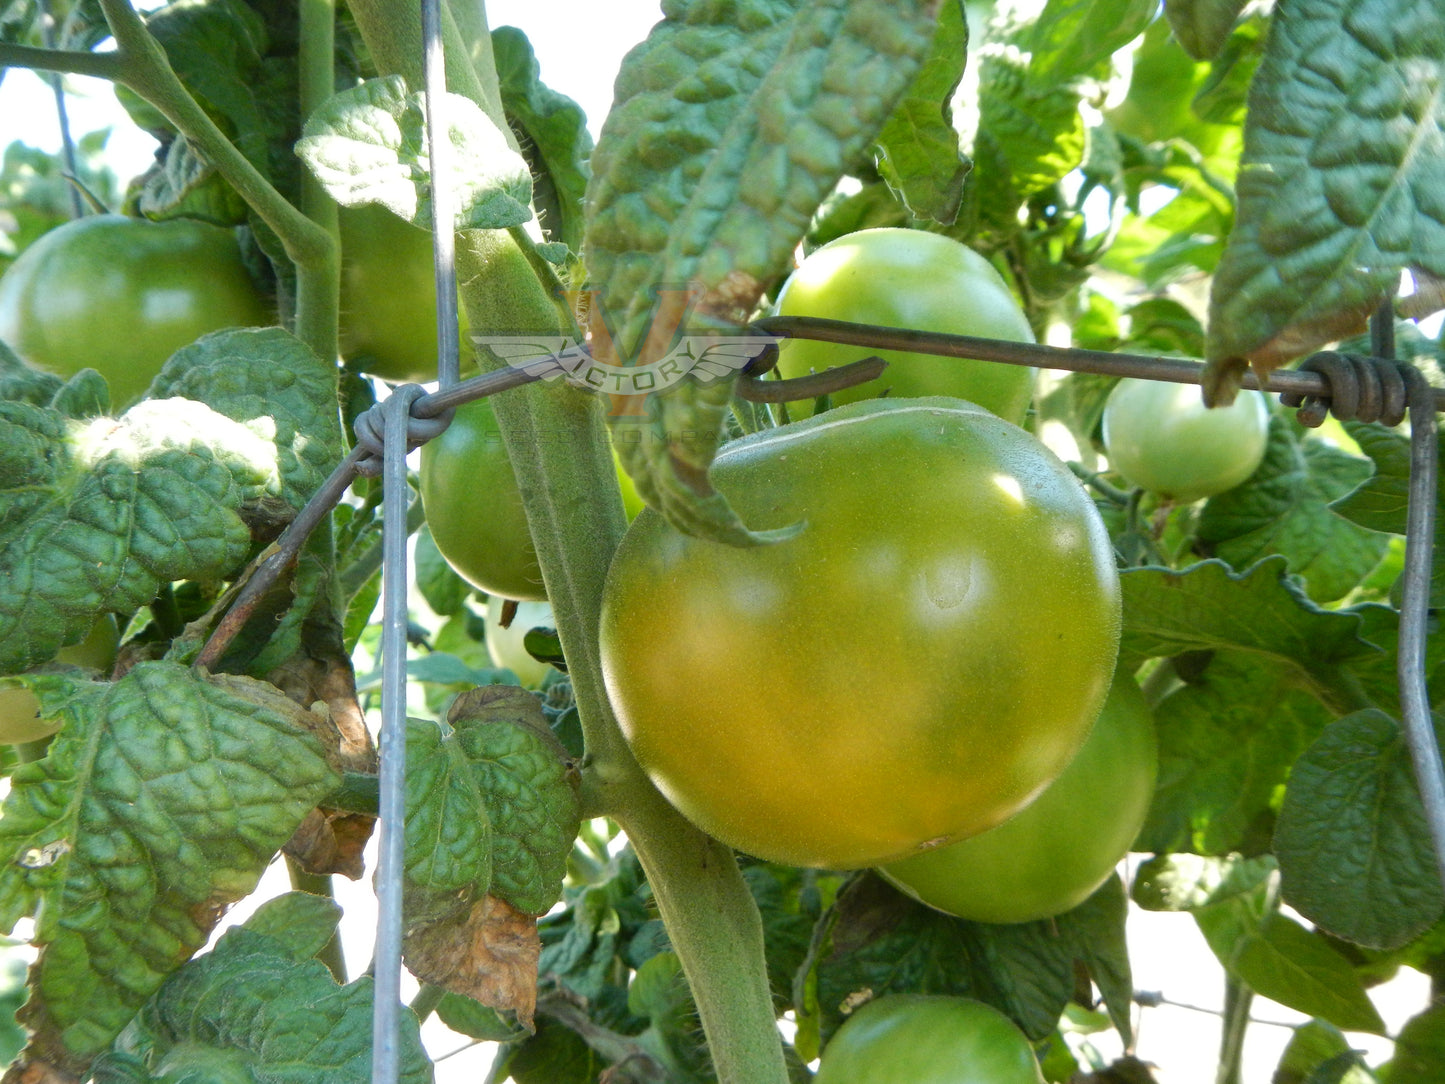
x: 386, y: 1014
x: 1415, y: 608
x: 443, y: 213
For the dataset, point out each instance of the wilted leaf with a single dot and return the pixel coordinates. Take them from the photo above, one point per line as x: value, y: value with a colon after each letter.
x: 490, y: 955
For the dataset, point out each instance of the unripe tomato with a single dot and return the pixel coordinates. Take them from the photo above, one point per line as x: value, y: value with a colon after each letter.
x: 1050, y: 856
x: 388, y: 296
x: 918, y: 1039
x: 1160, y: 436
x: 912, y: 667
x: 909, y: 279
x: 475, y: 509
x: 505, y: 646
x: 20, y: 719
x: 121, y: 295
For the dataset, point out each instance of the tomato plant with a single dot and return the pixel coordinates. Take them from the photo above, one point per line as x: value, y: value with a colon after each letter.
x: 20, y: 719
x: 866, y: 687
x: 120, y: 295
x: 1051, y: 855
x: 1163, y: 438
x: 388, y: 296
x: 910, y: 279
x: 913, y: 1039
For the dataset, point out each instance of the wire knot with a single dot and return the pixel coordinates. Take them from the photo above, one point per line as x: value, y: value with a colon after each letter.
x: 370, y: 428
x: 1361, y: 388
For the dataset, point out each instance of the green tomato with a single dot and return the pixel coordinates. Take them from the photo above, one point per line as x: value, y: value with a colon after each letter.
x: 121, y: 295
x: 505, y: 645
x: 20, y: 719
x: 911, y: 668
x: 909, y: 279
x: 1051, y: 856
x: 388, y: 296
x: 475, y: 509
x: 1160, y: 436
x: 918, y: 1039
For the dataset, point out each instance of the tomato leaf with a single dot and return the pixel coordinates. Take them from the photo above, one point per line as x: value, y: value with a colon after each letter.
x: 1186, y: 882
x: 731, y: 124
x: 1226, y: 743
x: 445, y: 592
x: 1315, y: 1046
x: 250, y: 1004
x: 530, y: 789
x: 1284, y: 508
x: 1419, y: 1049
x: 161, y: 801
x: 1279, y: 959
x: 299, y: 923
x: 448, y: 863
x: 183, y: 184
x: 918, y: 154
x: 1034, y: 69
x: 1353, y: 844
x: 1202, y: 26
x: 875, y: 940
x: 1339, y: 184
x: 1381, y: 501
x: 553, y: 132
x: 1209, y: 606
x: 369, y: 145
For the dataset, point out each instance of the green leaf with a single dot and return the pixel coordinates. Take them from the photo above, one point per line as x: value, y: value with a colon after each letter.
x: 35, y: 194
x: 445, y: 592
x: 1279, y: 959
x: 1380, y: 502
x: 732, y: 122
x: 278, y: 1019
x: 529, y: 786
x: 1339, y: 187
x: 161, y: 801
x: 1226, y: 743
x: 299, y: 923
x: 1353, y: 844
x: 1202, y: 26
x: 1186, y: 882
x: 182, y: 184
x: 877, y: 940
x: 918, y: 154
x: 1316, y: 1047
x: 477, y: 1021
x: 1284, y: 508
x: 99, y: 513
x: 1419, y: 1050
x: 553, y: 132
x: 1034, y: 70
x: 448, y: 862
x: 368, y: 145
x: 1209, y: 606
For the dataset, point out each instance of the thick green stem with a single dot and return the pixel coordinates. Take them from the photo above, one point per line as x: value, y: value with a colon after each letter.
x: 145, y: 69
x: 67, y: 61
x: 556, y: 440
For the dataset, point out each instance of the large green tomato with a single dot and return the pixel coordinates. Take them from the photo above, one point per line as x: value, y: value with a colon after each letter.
x: 1160, y: 436
x: 20, y: 719
x: 388, y: 295
x: 909, y: 279
x: 121, y: 295
x: 1051, y: 856
x: 918, y: 662
x: 918, y: 1039
x: 475, y: 509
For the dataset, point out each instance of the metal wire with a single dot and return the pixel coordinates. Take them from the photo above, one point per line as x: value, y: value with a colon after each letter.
x: 386, y: 963
x: 438, y: 135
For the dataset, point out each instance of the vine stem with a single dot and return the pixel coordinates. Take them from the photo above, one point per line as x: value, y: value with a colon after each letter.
x: 558, y: 448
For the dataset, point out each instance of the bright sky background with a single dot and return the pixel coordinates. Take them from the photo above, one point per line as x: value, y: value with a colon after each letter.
x: 580, y: 45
